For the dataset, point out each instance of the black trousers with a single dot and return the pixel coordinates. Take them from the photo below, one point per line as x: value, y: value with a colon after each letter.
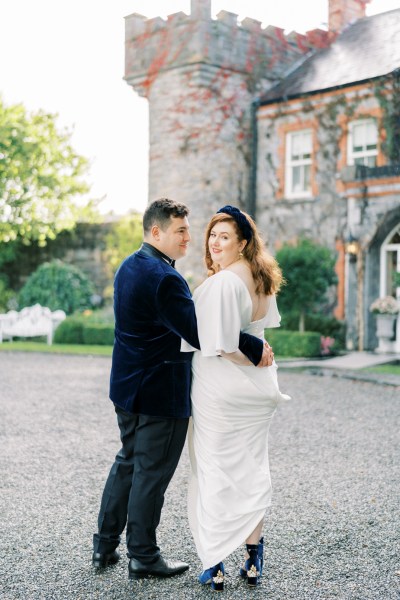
x: 135, y: 488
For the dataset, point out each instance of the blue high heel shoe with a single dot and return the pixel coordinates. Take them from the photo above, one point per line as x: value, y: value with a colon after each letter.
x: 252, y: 567
x: 243, y: 572
x: 214, y: 576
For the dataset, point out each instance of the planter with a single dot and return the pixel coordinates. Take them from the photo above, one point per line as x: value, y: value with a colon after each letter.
x: 385, y: 328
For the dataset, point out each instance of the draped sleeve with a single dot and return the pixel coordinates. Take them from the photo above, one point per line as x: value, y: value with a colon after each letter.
x: 272, y: 318
x: 223, y: 309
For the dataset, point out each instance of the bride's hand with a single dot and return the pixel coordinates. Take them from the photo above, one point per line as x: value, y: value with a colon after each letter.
x: 267, y: 357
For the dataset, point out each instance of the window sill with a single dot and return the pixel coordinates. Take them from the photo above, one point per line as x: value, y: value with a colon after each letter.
x: 298, y: 198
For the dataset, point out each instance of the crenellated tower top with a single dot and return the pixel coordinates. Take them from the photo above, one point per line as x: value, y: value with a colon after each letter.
x: 200, y: 10
x: 261, y: 55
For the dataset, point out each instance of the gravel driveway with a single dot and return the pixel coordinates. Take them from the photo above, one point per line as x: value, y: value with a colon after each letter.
x: 332, y: 532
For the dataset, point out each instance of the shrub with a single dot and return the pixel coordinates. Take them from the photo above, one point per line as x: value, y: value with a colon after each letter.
x: 70, y: 331
x: 85, y: 329
x: 98, y: 334
x: 326, y: 326
x: 7, y: 296
x: 58, y: 286
x: 308, y: 269
x: 294, y: 343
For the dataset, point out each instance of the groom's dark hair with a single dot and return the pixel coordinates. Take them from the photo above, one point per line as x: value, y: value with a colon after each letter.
x: 160, y: 211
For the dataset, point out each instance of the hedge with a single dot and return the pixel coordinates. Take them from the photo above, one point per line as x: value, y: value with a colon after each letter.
x: 70, y: 331
x: 326, y: 326
x: 98, y: 334
x: 293, y: 343
x: 76, y: 330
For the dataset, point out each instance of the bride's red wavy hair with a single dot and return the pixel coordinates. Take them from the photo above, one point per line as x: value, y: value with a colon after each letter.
x: 266, y: 272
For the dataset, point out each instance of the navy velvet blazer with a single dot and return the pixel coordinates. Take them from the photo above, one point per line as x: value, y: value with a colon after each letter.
x: 153, y: 310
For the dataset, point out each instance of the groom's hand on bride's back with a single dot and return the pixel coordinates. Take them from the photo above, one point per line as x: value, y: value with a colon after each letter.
x: 267, y: 357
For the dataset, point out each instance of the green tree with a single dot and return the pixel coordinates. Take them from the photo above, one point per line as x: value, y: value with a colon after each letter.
x: 308, y: 269
x: 7, y: 296
x: 57, y: 285
x: 124, y: 238
x: 40, y: 176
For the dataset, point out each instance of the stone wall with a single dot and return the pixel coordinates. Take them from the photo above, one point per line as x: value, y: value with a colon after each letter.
x: 83, y: 247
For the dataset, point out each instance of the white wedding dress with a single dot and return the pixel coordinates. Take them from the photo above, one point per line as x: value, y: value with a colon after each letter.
x: 232, y: 408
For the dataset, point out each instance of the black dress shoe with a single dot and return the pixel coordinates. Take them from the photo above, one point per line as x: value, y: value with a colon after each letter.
x: 103, y: 560
x: 160, y: 568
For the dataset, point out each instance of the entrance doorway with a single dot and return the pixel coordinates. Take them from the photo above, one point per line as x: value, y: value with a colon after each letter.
x: 390, y: 274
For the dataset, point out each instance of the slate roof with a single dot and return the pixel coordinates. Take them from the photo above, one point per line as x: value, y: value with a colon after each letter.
x: 367, y: 49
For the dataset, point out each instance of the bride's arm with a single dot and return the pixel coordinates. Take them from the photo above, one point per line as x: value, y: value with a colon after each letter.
x: 237, y: 357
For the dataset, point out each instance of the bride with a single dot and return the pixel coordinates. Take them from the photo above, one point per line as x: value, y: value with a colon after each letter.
x: 232, y: 400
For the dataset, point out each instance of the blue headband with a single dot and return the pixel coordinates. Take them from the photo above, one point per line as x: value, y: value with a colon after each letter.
x: 240, y: 219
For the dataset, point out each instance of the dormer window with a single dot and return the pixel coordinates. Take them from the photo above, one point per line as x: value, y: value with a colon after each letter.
x: 363, y: 143
x: 298, y: 164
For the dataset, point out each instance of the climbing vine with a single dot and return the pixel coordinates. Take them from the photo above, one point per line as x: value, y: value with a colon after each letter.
x: 387, y: 92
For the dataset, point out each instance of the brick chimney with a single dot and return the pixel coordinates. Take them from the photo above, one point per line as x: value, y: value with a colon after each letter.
x: 344, y: 12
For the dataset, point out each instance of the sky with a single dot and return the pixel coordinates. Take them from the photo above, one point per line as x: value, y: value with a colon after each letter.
x: 67, y: 58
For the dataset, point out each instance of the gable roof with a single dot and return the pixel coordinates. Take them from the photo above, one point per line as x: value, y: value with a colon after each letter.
x: 367, y: 49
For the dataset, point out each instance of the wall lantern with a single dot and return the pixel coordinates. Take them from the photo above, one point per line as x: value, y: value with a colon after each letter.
x: 352, y: 247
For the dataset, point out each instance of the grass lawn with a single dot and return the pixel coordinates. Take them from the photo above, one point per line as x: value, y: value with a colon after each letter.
x: 22, y: 346
x: 389, y: 369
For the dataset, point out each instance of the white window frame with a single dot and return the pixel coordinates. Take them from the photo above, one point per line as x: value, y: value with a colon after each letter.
x: 363, y: 154
x: 291, y: 163
x: 385, y: 248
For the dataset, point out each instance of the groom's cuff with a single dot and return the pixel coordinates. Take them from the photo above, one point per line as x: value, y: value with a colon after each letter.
x: 252, y: 347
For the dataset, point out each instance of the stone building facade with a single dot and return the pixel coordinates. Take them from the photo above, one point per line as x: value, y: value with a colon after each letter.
x: 274, y: 123
x: 329, y: 165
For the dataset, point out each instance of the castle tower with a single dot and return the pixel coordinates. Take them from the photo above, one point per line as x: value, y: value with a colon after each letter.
x: 200, y: 77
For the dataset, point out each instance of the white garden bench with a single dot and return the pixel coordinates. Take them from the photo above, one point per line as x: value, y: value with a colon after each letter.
x: 31, y: 321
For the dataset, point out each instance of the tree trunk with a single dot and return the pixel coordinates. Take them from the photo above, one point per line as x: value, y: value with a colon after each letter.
x: 302, y: 322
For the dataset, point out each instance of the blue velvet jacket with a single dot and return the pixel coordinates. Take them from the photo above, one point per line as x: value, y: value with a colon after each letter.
x: 153, y: 311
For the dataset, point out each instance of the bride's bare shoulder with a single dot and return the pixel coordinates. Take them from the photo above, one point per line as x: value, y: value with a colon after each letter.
x: 242, y: 269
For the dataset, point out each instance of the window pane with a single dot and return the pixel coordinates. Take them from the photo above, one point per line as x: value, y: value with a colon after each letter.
x: 371, y: 134
x: 296, y: 146
x: 370, y: 161
x: 358, y: 137
x: 307, y: 177
x: 395, y: 239
x: 365, y: 135
x: 391, y: 269
x: 296, y: 179
x: 301, y: 145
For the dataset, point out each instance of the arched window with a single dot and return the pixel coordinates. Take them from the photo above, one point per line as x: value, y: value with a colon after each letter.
x: 390, y: 264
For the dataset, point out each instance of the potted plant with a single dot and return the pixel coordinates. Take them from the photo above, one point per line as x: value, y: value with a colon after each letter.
x: 386, y: 310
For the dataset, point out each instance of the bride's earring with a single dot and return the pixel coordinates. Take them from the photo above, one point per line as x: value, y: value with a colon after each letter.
x: 240, y: 254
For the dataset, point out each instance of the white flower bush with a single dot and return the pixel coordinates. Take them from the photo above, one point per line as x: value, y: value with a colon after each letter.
x: 385, y: 306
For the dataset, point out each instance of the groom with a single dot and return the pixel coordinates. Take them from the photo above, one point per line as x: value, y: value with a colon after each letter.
x: 150, y: 388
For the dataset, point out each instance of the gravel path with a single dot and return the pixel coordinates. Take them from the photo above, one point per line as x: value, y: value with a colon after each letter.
x: 332, y: 532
